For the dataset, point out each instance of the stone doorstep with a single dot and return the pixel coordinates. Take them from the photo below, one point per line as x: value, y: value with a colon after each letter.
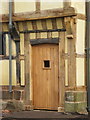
x: 45, y: 114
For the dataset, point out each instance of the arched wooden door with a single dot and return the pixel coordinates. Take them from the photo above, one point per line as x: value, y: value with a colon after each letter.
x: 45, y: 76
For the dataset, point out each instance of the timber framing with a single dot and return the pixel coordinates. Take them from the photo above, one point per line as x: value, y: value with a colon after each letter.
x: 78, y: 88
x: 2, y: 57
x: 44, y: 41
x: 81, y: 16
x: 61, y: 72
x: 27, y: 69
x: 71, y: 30
x: 67, y: 4
x: 76, y: 55
x: 44, y: 14
x: 38, y: 31
x: 38, y: 6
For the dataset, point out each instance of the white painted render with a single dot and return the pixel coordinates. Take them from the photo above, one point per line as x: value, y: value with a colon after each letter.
x: 79, y: 6
x: 80, y: 37
x: 80, y: 71
x: 4, y: 72
x: 51, y: 5
x: 24, y: 7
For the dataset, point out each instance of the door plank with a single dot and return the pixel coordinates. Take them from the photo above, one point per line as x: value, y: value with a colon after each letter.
x: 45, y: 80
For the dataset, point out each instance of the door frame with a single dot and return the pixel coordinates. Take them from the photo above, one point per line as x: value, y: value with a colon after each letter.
x: 61, y: 78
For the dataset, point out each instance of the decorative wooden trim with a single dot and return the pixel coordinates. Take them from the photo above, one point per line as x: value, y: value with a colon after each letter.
x: 38, y: 26
x: 81, y: 16
x: 54, y: 13
x: 44, y: 41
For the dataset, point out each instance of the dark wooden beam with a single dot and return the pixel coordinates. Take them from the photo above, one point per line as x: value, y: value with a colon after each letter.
x: 12, y: 6
x: 66, y: 3
x: 37, y: 5
x: 3, y: 57
x: 61, y: 71
x: 26, y: 67
x: 38, y: 31
x: 44, y: 41
x: 1, y: 43
x: 53, y: 13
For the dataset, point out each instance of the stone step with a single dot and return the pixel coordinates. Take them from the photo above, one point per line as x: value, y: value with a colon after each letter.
x: 46, y: 115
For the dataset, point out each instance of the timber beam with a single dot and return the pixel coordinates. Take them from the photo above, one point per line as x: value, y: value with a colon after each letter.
x: 40, y: 15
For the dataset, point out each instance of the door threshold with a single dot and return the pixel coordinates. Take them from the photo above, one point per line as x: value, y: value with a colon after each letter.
x: 45, y: 110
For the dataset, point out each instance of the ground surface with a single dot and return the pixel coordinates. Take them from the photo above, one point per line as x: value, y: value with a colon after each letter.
x: 32, y: 115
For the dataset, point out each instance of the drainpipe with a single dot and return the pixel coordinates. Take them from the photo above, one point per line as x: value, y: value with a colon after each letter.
x: 10, y: 46
x: 88, y: 53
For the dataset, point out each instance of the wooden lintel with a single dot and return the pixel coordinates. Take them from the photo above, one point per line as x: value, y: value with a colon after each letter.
x: 40, y: 15
x: 44, y: 41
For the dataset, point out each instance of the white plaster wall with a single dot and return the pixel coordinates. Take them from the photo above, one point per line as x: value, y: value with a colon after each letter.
x: 22, y: 64
x: 51, y: 5
x: 13, y: 46
x: 22, y: 72
x: 4, y: 72
x: 29, y: 5
x: 80, y: 37
x: 66, y: 72
x: 80, y: 71
x: 24, y: 6
x: 4, y: 7
x: 79, y: 6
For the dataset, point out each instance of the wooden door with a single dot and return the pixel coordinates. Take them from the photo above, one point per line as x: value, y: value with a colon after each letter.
x: 45, y: 76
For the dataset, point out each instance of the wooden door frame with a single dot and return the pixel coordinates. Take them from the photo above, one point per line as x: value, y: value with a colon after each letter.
x: 61, y: 72
x: 61, y: 79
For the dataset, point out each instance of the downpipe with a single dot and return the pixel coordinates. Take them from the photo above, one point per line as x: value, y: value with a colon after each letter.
x: 88, y: 55
x: 10, y: 46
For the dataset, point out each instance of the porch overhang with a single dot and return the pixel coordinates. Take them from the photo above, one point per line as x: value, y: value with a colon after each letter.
x: 44, y: 14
